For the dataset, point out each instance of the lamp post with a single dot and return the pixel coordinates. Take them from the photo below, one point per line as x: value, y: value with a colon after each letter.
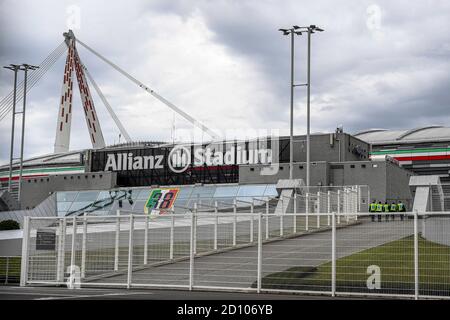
x: 25, y: 68
x: 292, y: 31
x: 14, y: 68
x: 299, y: 30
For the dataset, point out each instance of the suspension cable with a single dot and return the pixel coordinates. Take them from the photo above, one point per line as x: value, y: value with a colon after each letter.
x: 153, y: 93
x: 35, y: 76
x: 107, y: 105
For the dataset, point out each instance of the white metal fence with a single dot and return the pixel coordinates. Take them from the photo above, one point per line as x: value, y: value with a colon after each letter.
x: 328, y: 253
x: 9, y: 269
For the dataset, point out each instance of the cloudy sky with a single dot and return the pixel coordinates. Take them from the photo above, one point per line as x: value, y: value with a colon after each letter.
x: 379, y: 64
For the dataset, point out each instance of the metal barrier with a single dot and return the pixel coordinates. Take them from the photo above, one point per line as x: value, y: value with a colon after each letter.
x: 9, y: 269
x: 246, y: 251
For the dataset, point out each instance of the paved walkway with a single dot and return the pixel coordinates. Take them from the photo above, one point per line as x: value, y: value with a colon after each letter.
x: 238, y: 268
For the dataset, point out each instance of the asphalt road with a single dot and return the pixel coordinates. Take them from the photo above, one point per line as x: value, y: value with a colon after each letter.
x: 61, y: 293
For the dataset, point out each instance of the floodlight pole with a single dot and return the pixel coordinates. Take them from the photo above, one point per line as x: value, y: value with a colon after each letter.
x: 308, y: 115
x: 15, y: 68
x: 291, y: 143
x: 25, y: 68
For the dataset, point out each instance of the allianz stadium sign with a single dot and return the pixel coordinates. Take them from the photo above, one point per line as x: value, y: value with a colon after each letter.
x: 180, y: 158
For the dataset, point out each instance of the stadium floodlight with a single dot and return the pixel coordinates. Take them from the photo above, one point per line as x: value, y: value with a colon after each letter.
x: 298, y: 30
x: 292, y: 32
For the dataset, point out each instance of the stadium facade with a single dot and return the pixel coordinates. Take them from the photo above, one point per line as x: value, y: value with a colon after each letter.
x: 424, y: 151
x: 337, y: 159
x: 381, y: 159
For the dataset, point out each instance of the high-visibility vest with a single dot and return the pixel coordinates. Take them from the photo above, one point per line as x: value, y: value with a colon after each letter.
x: 401, y: 207
x: 393, y: 207
x: 386, y: 207
x: 373, y: 207
x: 379, y: 207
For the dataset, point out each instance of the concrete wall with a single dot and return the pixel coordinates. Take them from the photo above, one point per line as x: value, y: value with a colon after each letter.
x: 368, y: 173
x: 396, y: 180
x: 327, y: 147
x: 252, y: 173
x: 437, y: 229
x: 35, y: 190
x: 386, y: 180
x: 46, y: 208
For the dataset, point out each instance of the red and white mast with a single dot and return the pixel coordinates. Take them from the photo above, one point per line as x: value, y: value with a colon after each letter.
x: 73, y: 62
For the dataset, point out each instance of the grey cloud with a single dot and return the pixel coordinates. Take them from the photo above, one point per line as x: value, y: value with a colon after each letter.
x: 350, y: 64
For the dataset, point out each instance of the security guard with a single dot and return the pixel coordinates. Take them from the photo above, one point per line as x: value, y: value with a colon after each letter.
x: 386, y: 210
x: 379, y: 210
x: 373, y: 208
x: 401, y: 208
x: 393, y: 209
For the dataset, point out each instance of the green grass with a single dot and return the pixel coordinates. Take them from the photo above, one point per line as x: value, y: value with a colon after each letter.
x: 396, y: 262
x: 13, y: 268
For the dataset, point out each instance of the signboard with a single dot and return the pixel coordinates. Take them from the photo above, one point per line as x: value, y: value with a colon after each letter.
x: 45, y: 239
x: 160, y: 200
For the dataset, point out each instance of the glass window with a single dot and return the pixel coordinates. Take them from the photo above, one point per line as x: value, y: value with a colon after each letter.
x: 62, y: 213
x: 144, y: 194
x: 139, y: 205
x: 104, y: 195
x: 66, y: 196
x: 252, y: 190
x: 80, y: 205
x: 182, y: 203
x: 87, y: 196
x: 223, y: 191
x: 185, y: 192
x: 271, y: 190
x: 63, y: 206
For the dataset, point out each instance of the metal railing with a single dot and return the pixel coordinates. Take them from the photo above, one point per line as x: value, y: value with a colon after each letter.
x: 406, y: 255
x: 9, y: 269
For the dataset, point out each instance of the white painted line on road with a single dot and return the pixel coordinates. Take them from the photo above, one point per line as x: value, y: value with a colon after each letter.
x: 95, y: 295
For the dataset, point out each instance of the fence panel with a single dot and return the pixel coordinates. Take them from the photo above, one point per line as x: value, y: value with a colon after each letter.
x: 229, y: 268
x: 402, y: 255
x: 434, y: 255
x: 293, y: 264
x: 161, y: 254
x: 9, y: 270
x: 104, y: 249
x: 376, y: 257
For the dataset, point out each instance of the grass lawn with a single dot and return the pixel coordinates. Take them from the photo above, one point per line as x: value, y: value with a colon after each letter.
x: 396, y: 262
x: 12, y: 267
